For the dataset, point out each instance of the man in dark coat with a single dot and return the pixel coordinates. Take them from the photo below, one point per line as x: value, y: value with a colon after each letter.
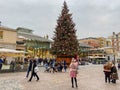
x: 33, y: 73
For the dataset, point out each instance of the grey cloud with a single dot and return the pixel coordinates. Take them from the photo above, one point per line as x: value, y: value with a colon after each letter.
x: 98, y: 17
x: 92, y: 17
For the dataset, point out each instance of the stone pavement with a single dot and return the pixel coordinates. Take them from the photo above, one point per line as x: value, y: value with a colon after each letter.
x: 90, y: 77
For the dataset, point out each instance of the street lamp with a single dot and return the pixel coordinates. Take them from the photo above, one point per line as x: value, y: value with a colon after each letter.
x: 113, y: 38
x: 114, y: 55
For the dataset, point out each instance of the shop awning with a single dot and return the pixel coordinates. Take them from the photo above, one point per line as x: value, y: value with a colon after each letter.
x: 4, y: 50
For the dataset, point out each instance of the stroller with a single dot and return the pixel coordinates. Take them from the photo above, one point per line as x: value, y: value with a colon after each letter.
x: 48, y: 69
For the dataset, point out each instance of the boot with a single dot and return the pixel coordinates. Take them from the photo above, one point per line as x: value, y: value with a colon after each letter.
x: 72, y: 83
x: 76, y: 83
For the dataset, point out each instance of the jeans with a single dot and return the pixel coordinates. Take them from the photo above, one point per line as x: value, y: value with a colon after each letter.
x: 107, y: 77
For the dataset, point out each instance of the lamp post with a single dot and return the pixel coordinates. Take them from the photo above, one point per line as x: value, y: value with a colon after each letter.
x: 42, y: 48
x: 113, y: 39
x: 114, y: 55
x: 42, y: 52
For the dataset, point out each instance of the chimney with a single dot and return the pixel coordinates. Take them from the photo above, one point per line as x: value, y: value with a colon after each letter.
x: 0, y: 23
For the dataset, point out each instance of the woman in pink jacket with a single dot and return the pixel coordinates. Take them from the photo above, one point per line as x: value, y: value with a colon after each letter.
x: 73, y: 72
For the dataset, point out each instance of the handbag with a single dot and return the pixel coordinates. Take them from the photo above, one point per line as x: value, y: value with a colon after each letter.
x: 36, y: 69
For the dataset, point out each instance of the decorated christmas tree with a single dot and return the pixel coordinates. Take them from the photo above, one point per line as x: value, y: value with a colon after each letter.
x: 65, y: 39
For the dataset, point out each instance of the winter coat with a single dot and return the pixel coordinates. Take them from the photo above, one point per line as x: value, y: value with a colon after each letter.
x: 73, y: 70
x: 114, y: 74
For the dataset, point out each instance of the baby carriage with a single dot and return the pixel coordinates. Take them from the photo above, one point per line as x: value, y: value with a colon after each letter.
x: 48, y: 69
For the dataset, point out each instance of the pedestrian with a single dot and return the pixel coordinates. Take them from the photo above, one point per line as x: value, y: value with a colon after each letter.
x: 114, y: 74
x: 107, y: 71
x: 73, y: 72
x: 13, y: 65
x: 1, y: 62
x: 33, y: 73
x: 65, y: 65
x: 29, y: 66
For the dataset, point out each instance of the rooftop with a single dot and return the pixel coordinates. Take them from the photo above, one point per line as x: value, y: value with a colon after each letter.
x: 84, y: 45
x: 29, y: 36
x: 7, y: 28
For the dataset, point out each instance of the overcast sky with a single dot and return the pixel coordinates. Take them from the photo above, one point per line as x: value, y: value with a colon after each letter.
x: 93, y: 18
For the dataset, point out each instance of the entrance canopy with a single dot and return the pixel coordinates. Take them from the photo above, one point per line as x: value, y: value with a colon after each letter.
x: 4, y: 50
x: 11, y: 52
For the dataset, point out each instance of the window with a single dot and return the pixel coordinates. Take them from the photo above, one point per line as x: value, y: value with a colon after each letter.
x: 1, y: 34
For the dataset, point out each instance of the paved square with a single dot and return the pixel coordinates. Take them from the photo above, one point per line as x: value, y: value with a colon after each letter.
x: 90, y: 77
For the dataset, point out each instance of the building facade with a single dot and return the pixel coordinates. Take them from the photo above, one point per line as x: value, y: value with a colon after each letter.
x: 102, y: 42
x: 101, y: 48
x: 116, y: 41
x: 94, y: 42
x: 83, y: 50
x: 33, y: 44
x: 115, y: 38
x: 8, y: 37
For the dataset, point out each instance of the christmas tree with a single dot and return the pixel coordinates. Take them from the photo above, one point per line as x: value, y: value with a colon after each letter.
x: 65, y: 39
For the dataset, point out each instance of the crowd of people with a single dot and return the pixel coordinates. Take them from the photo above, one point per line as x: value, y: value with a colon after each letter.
x: 51, y: 66
x: 54, y: 66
